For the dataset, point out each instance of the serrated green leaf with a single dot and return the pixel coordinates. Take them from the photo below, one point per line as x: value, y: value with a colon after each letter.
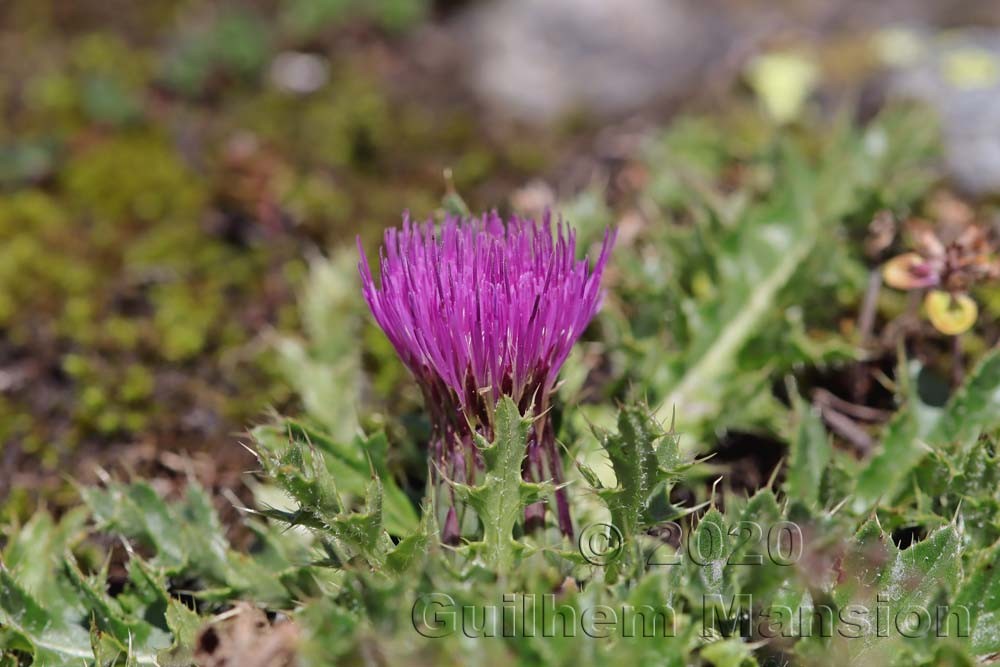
x: 40, y: 544
x: 980, y: 595
x: 363, y: 531
x: 809, y: 455
x: 901, y: 450
x: 50, y: 641
x: 187, y: 536
x: 20, y: 610
x: 183, y: 623
x: 349, y: 463
x: 107, y: 650
x: 729, y: 653
x: 409, y: 551
x: 295, y: 455
x: 107, y: 616
x: 755, y: 569
x: 973, y: 409
x: 138, y: 512
x: 646, y: 461
x: 709, y: 550
x: 498, y: 498
x: 878, y: 575
x: 916, y: 574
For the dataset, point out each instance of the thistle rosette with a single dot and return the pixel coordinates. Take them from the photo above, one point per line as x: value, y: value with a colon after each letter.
x: 480, y: 308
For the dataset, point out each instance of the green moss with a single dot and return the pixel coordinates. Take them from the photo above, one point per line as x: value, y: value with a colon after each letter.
x: 307, y: 18
x: 235, y: 44
x: 131, y: 178
x: 312, y: 198
x: 137, y: 384
x: 124, y: 228
x: 33, y: 228
x: 110, y: 399
x: 101, y: 81
x: 122, y: 333
x: 182, y: 320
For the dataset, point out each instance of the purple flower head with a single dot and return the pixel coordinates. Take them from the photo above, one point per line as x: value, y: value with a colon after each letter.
x: 478, y: 309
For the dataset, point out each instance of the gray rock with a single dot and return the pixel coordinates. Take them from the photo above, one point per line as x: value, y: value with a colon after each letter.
x: 969, y: 104
x: 541, y: 58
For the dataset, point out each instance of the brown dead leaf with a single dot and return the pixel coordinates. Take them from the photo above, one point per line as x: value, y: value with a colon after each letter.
x: 243, y: 637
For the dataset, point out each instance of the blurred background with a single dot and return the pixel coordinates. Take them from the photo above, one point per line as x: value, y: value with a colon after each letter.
x: 168, y: 169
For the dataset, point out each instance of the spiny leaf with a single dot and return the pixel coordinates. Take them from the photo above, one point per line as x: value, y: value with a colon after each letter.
x: 187, y: 537
x: 408, y: 551
x: 708, y: 552
x: 729, y: 653
x: 980, y: 595
x: 35, y: 550
x: 751, y: 555
x: 499, y: 498
x: 809, y: 455
x: 300, y: 470
x: 916, y: 574
x: 646, y: 460
x: 363, y: 531
x: 973, y: 409
x: 349, y: 463
x: 109, y: 618
x: 183, y: 622
x: 902, y: 449
x: 413, y: 549
x: 104, y: 612
x: 877, y: 573
x: 50, y: 640
x: 20, y: 610
x: 138, y: 512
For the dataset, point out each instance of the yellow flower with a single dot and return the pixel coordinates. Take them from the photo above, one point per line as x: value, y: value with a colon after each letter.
x: 971, y: 68
x: 950, y: 314
x: 783, y: 83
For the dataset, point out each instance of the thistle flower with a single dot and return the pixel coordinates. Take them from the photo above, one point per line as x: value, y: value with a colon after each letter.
x: 478, y: 309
